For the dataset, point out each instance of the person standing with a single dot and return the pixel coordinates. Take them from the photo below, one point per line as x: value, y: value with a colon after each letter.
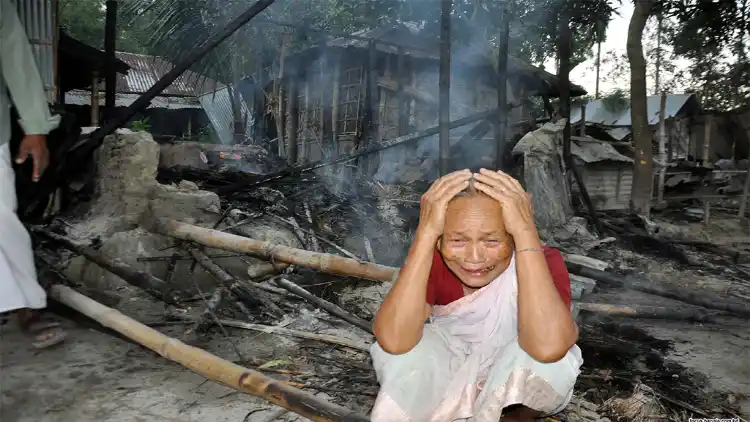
x: 19, y: 288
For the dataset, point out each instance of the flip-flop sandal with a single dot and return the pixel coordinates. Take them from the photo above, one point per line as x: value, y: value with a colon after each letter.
x: 51, y: 332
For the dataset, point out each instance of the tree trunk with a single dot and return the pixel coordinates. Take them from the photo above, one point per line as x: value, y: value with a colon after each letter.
x: 640, y: 199
x: 598, y: 57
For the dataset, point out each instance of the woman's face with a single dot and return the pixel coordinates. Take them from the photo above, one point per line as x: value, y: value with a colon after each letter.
x: 475, y: 244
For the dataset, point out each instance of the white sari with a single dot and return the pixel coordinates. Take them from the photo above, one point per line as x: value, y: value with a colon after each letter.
x: 469, y: 366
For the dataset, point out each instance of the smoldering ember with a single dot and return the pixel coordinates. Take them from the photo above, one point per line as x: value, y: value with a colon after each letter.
x: 233, y: 187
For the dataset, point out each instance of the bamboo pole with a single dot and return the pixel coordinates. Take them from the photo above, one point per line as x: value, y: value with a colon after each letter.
x: 206, y: 364
x: 269, y: 251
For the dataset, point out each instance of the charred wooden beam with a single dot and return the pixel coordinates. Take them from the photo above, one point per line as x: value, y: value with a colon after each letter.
x: 96, y: 138
x: 648, y: 312
x: 445, y: 85
x: 246, y: 292
x: 704, y: 299
x: 320, y: 261
x: 293, y: 120
x: 501, y: 123
x: 324, y: 304
x: 206, y: 364
x: 141, y: 279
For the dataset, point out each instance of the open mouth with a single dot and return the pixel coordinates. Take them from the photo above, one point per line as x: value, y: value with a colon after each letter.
x: 478, y: 272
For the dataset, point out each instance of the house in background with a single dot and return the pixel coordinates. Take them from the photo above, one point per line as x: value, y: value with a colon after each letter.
x: 328, y: 110
x: 176, y: 113
x: 693, y: 135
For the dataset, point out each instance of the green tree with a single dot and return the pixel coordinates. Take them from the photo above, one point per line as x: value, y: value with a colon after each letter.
x: 84, y: 21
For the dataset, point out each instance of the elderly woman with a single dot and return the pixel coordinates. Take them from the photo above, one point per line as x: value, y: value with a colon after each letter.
x: 500, y: 340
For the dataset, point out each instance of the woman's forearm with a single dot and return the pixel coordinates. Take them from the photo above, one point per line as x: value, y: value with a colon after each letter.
x: 546, y: 329
x: 400, y: 320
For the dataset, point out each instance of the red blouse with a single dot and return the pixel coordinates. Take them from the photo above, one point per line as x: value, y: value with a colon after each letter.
x: 443, y: 287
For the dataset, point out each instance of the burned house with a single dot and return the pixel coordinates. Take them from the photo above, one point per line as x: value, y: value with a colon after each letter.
x: 383, y: 83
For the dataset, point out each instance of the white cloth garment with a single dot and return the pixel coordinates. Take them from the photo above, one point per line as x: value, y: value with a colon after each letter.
x: 18, y: 283
x: 19, y: 75
x: 469, y: 366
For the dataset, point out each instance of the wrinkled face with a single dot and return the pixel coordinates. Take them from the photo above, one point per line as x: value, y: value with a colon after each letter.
x: 475, y: 244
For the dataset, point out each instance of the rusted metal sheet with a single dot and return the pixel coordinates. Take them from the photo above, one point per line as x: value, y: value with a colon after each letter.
x: 146, y: 70
x: 218, y: 108
x: 39, y: 17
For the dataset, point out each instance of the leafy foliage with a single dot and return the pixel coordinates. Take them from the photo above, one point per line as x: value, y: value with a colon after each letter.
x: 719, y: 30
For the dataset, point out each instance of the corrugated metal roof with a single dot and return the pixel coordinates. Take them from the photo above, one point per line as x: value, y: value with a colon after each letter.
x: 146, y: 70
x: 597, y: 113
x: 83, y: 98
x: 37, y: 16
x: 591, y: 150
x: 218, y: 108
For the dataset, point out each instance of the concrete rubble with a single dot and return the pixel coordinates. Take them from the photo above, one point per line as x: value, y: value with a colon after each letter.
x: 127, y: 192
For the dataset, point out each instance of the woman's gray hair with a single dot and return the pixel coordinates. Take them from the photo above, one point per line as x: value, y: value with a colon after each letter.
x: 470, y: 191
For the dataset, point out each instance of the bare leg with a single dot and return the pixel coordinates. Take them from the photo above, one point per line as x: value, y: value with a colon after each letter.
x: 519, y: 413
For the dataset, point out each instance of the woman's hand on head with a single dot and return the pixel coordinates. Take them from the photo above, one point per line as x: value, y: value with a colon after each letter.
x: 435, y: 201
x: 517, y: 209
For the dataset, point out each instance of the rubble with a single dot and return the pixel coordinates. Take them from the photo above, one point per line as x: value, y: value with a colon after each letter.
x: 251, y: 259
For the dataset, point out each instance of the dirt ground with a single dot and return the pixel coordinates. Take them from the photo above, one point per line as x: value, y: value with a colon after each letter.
x: 95, y: 376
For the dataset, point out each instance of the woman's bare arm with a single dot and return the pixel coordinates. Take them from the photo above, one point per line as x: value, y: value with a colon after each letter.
x: 401, y: 317
x: 546, y: 329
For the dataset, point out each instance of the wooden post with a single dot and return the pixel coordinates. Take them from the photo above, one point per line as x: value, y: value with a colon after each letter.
x: 445, y: 85
x: 293, y: 119
x: 95, y: 100
x: 501, y: 123
x: 278, y: 99
x: 403, y: 106
x: 707, y: 138
x: 662, y: 142
x: 744, y: 197
x: 374, y: 99
x: 206, y: 364
x: 323, y: 91
x: 304, y: 154
x: 110, y: 44
x: 583, y: 119
x: 335, y: 104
